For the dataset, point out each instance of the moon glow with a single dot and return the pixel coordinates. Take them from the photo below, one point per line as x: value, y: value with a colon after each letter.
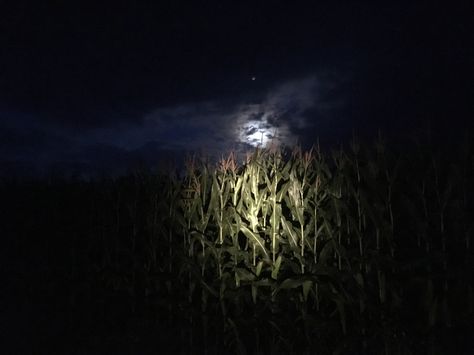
x: 257, y: 133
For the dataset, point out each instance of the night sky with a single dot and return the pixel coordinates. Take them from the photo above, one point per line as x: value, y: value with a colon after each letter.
x: 88, y: 89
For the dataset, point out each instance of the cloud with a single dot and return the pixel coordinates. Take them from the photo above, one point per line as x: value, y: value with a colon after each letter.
x: 281, y: 114
x: 216, y: 127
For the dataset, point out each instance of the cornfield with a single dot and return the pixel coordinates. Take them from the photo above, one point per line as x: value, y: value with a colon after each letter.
x: 356, y: 251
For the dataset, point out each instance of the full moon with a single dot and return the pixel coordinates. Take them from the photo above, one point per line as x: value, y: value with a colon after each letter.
x: 260, y: 126
x: 257, y: 134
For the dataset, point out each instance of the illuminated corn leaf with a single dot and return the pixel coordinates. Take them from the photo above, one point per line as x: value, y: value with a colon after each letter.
x: 276, y: 267
x: 255, y: 240
x: 259, y: 268
x: 291, y: 233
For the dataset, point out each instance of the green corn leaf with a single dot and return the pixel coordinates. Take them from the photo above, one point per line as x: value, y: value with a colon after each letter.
x: 226, y: 192
x: 234, y: 252
x: 244, y: 274
x: 270, y: 183
x: 300, y: 215
x: 276, y: 267
x: 255, y: 239
x: 291, y: 283
x: 283, y: 191
x: 259, y: 268
x: 288, y: 228
x: 306, y: 288
x: 286, y: 169
x: 261, y: 199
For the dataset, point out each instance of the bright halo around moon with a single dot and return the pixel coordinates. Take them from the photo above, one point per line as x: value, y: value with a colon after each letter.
x: 259, y: 126
x: 257, y: 134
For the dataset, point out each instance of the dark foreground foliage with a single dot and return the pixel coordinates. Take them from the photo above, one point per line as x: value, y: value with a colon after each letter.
x: 358, y: 251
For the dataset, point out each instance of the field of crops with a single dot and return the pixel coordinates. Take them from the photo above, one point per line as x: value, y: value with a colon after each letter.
x: 360, y: 250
